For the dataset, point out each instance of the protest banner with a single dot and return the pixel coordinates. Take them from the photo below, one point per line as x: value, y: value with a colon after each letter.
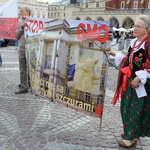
x: 8, y: 19
x: 34, y: 26
x: 67, y: 63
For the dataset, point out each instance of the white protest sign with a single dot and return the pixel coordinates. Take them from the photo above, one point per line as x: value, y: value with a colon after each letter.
x: 33, y: 26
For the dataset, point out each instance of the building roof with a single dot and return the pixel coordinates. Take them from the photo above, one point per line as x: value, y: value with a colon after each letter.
x: 65, y: 2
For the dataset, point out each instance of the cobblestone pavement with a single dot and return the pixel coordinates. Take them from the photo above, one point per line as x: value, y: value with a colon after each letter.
x: 29, y: 122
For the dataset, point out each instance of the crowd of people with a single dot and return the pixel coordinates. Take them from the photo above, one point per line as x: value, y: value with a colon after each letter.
x: 125, y: 35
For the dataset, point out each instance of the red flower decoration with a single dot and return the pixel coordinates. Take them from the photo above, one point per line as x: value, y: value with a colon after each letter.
x: 140, y: 54
x: 136, y: 59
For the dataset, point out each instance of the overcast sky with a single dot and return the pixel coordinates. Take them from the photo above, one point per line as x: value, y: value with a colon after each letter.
x: 49, y: 1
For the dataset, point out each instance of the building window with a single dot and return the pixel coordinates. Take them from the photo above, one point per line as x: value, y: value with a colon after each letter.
x: 38, y: 10
x: 135, y: 4
x: 122, y: 5
x: 100, y: 99
x: 149, y: 4
x: 87, y: 97
x: 67, y: 90
x: 102, y: 79
x: 86, y: 5
x: 97, y: 4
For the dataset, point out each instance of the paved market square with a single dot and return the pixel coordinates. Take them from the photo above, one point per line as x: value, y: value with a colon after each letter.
x: 29, y: 122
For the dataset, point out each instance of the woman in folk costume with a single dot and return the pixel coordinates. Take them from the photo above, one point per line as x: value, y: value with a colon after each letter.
x: 134, y: 73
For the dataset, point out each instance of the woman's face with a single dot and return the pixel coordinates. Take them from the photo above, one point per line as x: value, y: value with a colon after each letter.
x: 140, y: 29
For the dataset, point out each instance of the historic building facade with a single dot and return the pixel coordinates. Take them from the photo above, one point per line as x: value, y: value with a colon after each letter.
x: 38, y: 9
x: 127, y: 4
x: 58, y: 10
x: 121, y: 12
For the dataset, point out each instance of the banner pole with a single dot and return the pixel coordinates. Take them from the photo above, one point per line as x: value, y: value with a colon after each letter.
x: 100, y: 124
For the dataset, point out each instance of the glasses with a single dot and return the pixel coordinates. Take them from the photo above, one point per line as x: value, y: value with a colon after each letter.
x: 137, y: 26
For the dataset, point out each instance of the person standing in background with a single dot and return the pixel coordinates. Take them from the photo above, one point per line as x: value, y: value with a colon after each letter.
x: 117, y: 36
x: 134, y: 73
x: 1, y: 41
x: 24, y: 12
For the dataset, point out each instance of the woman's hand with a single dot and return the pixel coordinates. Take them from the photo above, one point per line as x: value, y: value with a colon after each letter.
x: 112, y: 53
x: 135, y: 82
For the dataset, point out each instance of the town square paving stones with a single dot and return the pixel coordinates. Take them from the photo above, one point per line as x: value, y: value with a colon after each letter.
x: 29, y: 122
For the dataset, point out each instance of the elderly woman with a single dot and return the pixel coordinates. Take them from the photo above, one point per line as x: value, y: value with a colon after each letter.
x: 134, y: 74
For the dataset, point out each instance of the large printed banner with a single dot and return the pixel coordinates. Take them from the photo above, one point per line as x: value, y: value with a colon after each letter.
x: 8, y: 19
x: 67, y: 63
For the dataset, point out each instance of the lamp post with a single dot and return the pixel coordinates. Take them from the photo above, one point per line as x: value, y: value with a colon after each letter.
x: 142, y: 10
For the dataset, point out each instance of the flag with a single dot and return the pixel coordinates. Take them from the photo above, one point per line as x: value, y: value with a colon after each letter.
x: 8, y: 19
